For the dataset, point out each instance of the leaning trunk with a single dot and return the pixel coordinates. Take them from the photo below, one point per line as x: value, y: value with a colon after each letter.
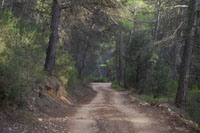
x: 51, y: 50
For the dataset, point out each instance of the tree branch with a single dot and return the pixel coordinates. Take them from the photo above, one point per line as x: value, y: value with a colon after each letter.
x: 67, y: 5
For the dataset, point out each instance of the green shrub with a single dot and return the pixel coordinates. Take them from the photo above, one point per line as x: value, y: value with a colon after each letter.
x: 193, y: 104
x: 114, y: 85
x: 64, y: 66
x: 172, y: 89
x: 22, y: 55
x: 144, y: 98
x: 161, y: 77
x: 72, y: 78
x: 98, y: 79
x: 14, y: 83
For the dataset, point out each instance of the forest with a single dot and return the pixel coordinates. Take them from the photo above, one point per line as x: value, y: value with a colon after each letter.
x: 150, y: 48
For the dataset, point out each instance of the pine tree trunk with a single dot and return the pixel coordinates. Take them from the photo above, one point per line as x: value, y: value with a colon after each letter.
x: 2, y: 3
x: 83, y: 61
x: 11, y: 5
x: 193, y: 20
x: 124, y: 75
x: 119, y: 61
x: 126, y: 58
x: 54, y: 37
x: 138, y: 72
x: 158, y: 20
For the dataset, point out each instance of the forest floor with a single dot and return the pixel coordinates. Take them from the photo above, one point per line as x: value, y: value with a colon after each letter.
x: 106, y: 111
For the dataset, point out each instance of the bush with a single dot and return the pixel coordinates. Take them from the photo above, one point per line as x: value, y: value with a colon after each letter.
x: 144, y: 98
x: 22, y: 55
x: 64, y: 66
x: 193, y: 104
x: 98, y: 79
x: 114, y: 85
x: 14, y: 83
x: 161, y: 78
x: 172, y: 89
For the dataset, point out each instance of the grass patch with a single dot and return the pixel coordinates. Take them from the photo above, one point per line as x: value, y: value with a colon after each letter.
x: 115, y: 86
x: 98, y: 79
x: 144, y: 98
x: 150, y: 99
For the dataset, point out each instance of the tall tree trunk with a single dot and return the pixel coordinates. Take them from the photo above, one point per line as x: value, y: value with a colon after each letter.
x: 126, y: 58
x: 138, y: 70
x: 119, y: 61
x: 158, y: 20
x: 54, y: 37
x: 193, y: 23
x: 145, y: 83
x: 100, y: 73
x: 126, y: 51
x: 83, y: 61
x: 11, y: 5
x: 124, y: 75
x: 2, y: 3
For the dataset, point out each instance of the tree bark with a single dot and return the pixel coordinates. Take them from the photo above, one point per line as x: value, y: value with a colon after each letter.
x: 54, y: 37
x: 119, y: 61
x: 193, y: 24
x: 126, y: 51
x: 2, y: 4
x: 138, y: 72
x: 158, y: 20
x: 124, y: 75
x: 126, y: 59
x: 11, y: 5
x: 83, y: 61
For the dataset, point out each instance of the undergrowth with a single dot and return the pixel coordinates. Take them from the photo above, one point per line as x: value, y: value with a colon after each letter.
x: 98, y: 79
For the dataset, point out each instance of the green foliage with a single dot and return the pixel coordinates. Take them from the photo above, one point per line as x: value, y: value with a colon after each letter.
x: 144, y: 98
x: 114, y: 85
x: 140, y: 53
x: 22, y: 53
x: 125, y: 23
x: 193, y: 104
x: 72, y: 77
x: 14, y: 83
x: 103, y: 65
x: 64, y: 66
x: 98, y: 79
x: 137, y: 3
x: 147, y: 66
x: 161, y: 77
x: 148, y: 98
x: 172, y: 88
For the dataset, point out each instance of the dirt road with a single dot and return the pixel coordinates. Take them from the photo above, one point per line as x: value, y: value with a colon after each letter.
x: 112, y: 112
x: 108, y: 111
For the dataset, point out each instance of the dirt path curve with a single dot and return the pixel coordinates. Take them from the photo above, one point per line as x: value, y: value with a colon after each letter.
x: 112, y: 112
